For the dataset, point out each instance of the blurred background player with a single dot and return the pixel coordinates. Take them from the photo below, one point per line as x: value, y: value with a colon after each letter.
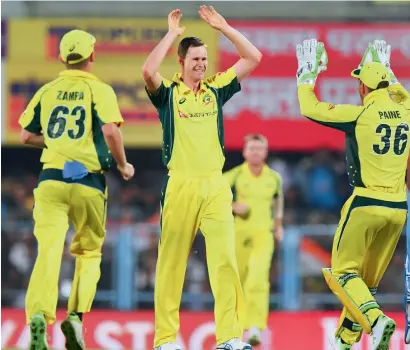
x: 373, y: 218
x: 257, y: 190
x: 195, y: 195
x: 75, y: 119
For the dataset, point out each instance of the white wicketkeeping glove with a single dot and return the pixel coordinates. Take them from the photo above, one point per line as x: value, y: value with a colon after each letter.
x: 312, y: 59
x: 379, y: 51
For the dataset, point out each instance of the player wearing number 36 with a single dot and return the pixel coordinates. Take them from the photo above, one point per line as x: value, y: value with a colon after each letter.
x: 373, y: 218
x: 75, y: 120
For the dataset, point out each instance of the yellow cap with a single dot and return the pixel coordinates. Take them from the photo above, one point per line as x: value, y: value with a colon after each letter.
x: 372, y: 74
x: 79, y: 42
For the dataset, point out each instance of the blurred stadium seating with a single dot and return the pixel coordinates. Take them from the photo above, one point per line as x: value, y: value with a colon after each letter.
x: 309, y: 157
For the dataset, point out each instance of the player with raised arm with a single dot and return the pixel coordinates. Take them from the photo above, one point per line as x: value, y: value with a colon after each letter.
x: 257, y: 192
x: 195, y: 194
x: 373, y: 218
x: 75, y: 119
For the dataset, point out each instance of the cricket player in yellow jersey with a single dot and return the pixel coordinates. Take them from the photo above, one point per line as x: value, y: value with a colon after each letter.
x: 257, y: 191
x: 75, y: 119
x: 195, y: 194
x: 373, y: 218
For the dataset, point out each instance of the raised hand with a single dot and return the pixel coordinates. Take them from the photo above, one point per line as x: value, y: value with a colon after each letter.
x: 312, y: 59
x: 213, y: 18
x: 381, y: 53
x: 173, y: 22
x: 377, y: 51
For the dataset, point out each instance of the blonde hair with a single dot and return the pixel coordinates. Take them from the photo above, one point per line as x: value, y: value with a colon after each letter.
x: 255, y: 137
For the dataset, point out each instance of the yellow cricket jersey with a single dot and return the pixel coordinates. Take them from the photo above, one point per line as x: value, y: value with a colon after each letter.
x: 193, y: 136
x: 377, y: 146
x: 258, y: 193
x: 69, y: 112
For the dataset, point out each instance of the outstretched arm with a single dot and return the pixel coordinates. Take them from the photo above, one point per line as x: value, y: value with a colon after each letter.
x: 312, y: 59
x: 250, y: 55
x: 151, y: 66
x: 336, y: 116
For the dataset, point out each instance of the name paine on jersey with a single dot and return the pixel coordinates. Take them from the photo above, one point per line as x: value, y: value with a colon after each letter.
x: 389, y: 114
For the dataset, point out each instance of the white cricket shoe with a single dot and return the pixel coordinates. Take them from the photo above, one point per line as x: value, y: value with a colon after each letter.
x: 382, y: 332
x: 234, y: 344
x: 72, y: 328
x: 168, y: 346
x: 341, y: 346
x: 254, y: 336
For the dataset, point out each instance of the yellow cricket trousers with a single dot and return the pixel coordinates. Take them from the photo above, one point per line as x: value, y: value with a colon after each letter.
x: 363, y: 246
x: 189, y: 203
x: 254, y: 252
x: 57, y: 202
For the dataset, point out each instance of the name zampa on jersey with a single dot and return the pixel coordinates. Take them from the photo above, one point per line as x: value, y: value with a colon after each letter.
x: 70, y: 95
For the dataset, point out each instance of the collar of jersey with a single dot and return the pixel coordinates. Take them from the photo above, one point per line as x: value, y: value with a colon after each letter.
x: 249, y: 172
x: 376, y: 94
x: 185, y: 89
x: 77, y: 73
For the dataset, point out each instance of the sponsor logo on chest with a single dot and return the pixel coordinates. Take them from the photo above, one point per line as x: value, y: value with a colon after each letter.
x: 197, y: 107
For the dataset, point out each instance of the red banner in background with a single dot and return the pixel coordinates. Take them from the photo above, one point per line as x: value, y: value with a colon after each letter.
x: 106, y: 329
x: 268, y: 101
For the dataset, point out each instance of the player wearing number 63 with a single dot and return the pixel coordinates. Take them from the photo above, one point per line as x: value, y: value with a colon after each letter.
x: 373, y: 218
x: 75, y: 120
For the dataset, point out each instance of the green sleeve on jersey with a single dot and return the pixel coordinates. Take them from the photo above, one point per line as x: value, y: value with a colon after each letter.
x: 103, y: 153
x: 226, y: 84
x: 161, y: 97
x: 30, y: 119
x: 341, y: 117
x: 35, y: 125
x: 164, y: 103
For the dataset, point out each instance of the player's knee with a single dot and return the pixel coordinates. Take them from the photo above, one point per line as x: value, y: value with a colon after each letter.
x: 256, y: 285
x: 224, y: 268
x: 48, y: 238
x: 86, y: 251
x: 86, y: 254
